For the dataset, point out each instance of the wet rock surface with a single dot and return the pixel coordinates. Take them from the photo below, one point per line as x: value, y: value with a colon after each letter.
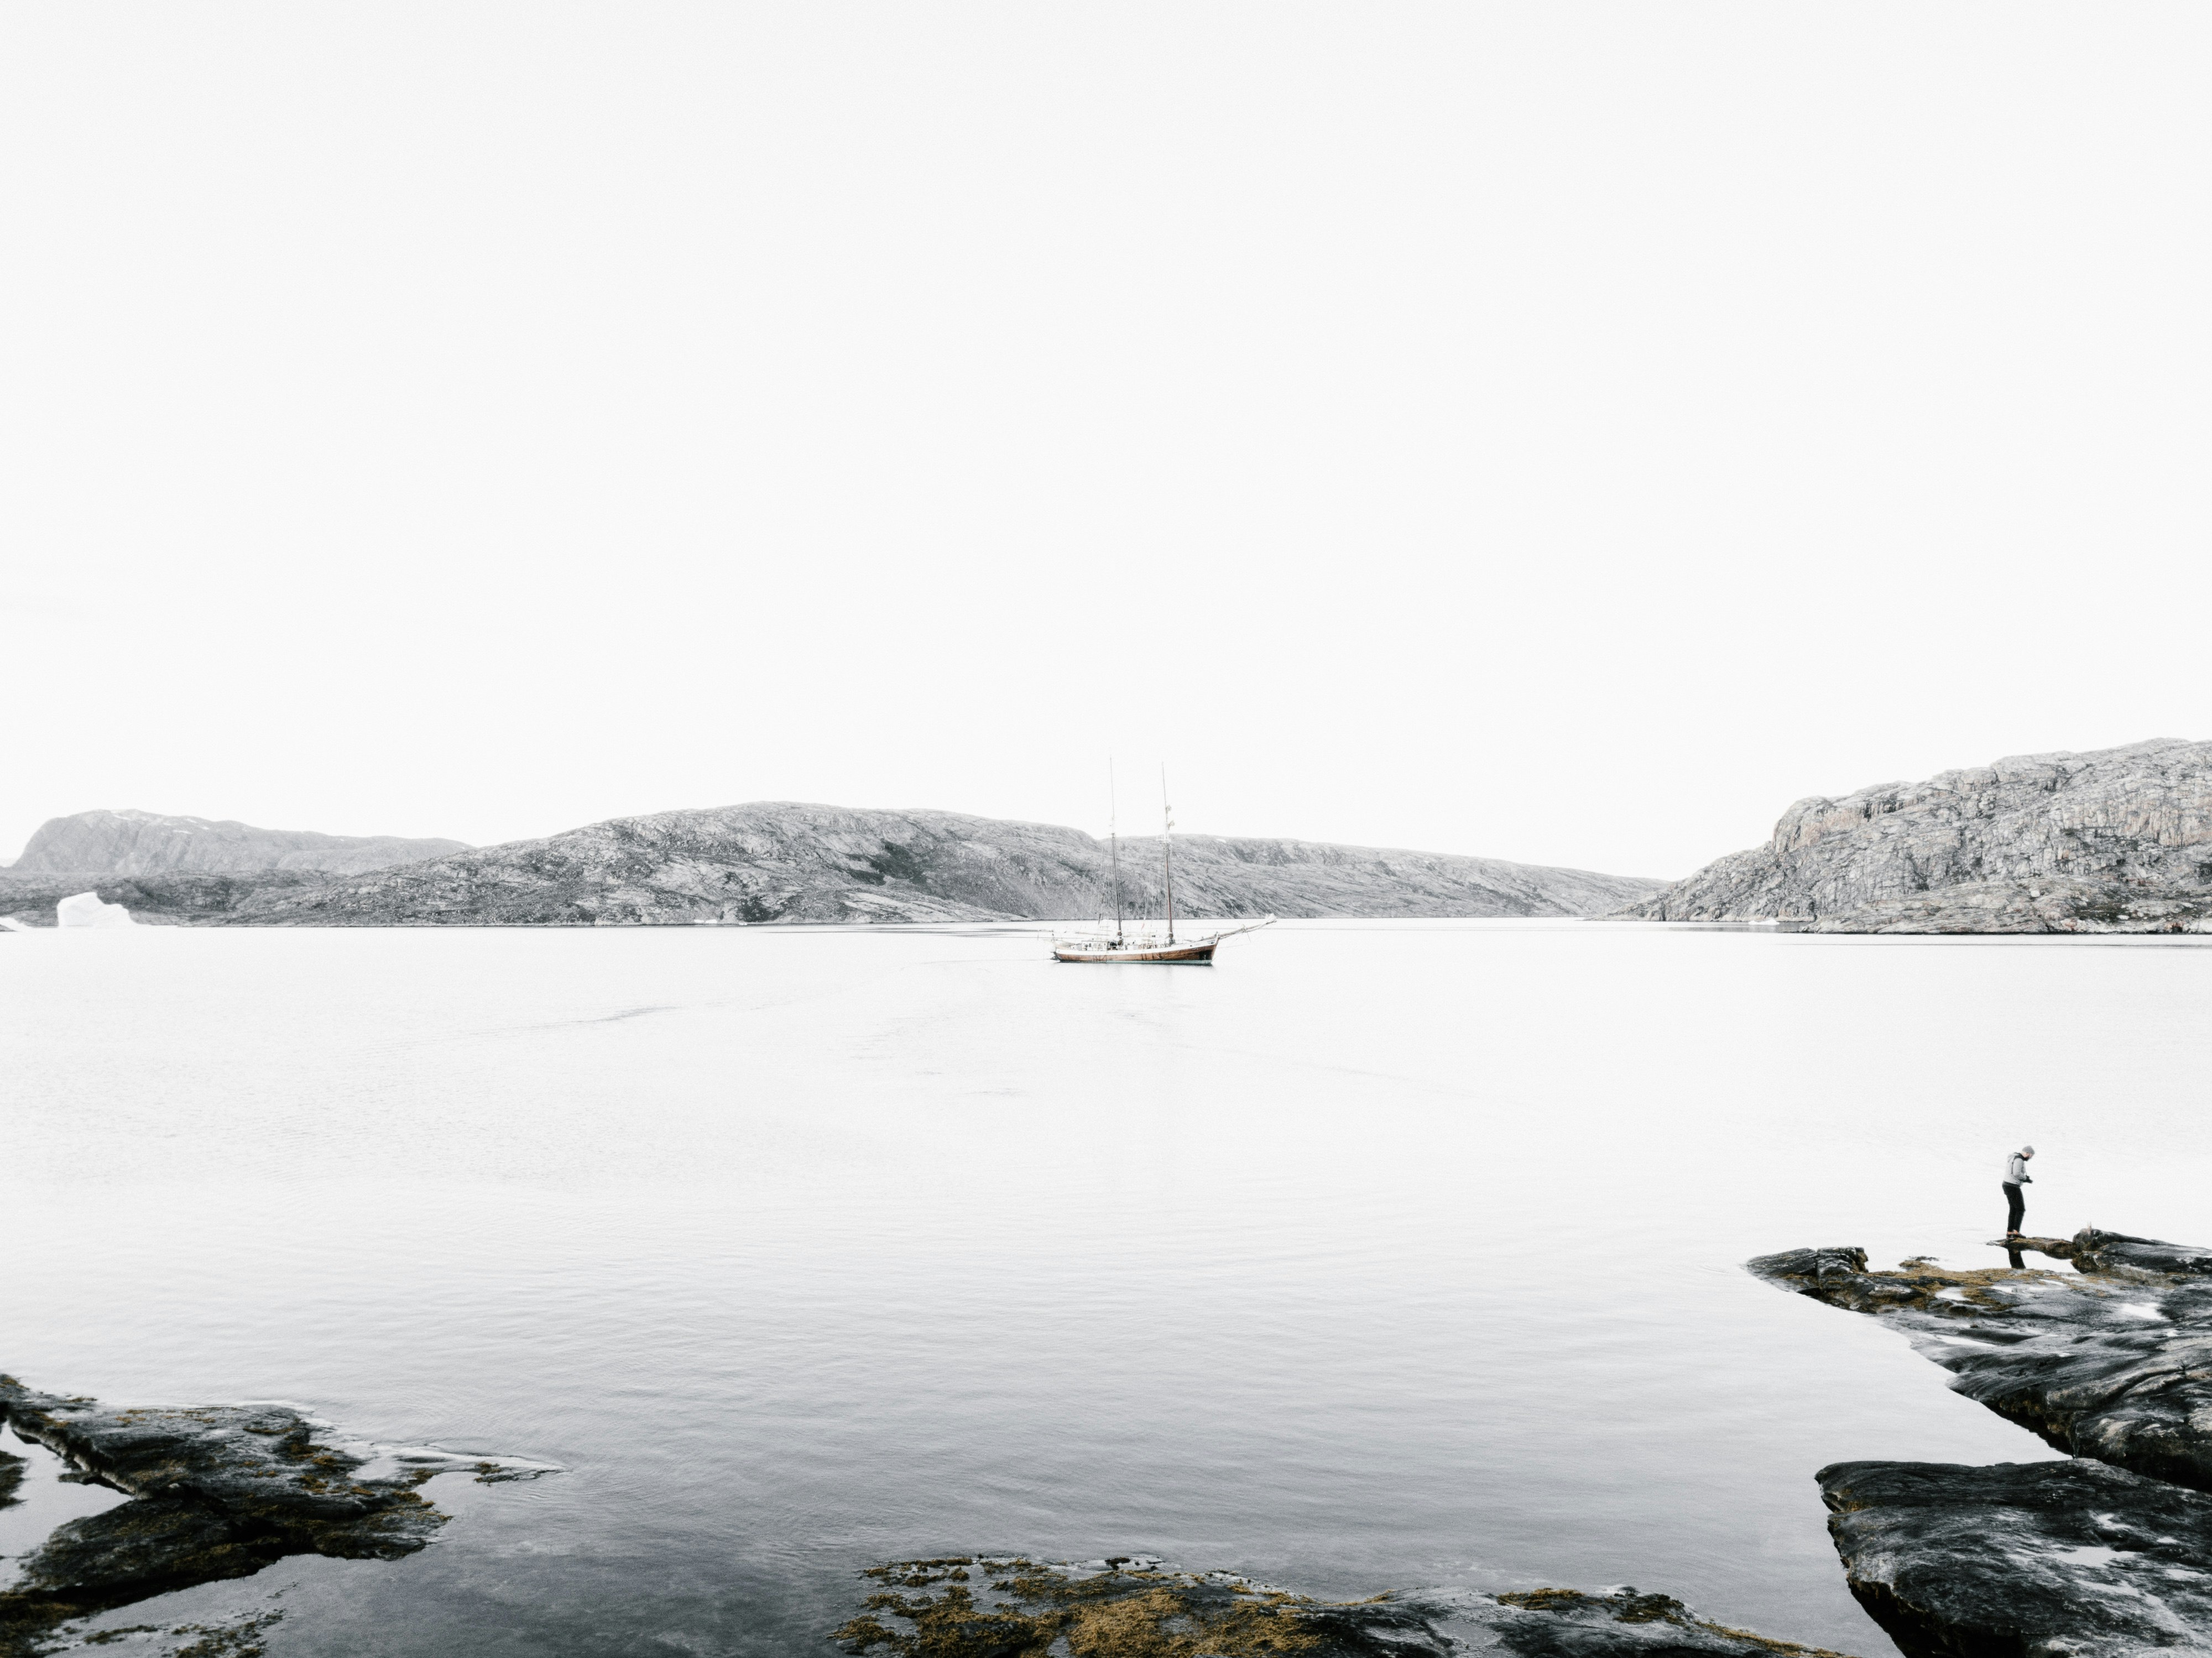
x: 2116, y: 1254
x: 2070, y: 1558
x: 219, y: 1491
x: 1619, y: 1623
x: 1001, y: 1606
x: 2108, y: 1553
x: 988, y: 1606
x: 2113, y: 1362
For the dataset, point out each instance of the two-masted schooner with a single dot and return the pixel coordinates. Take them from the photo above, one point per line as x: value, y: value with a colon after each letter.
x: 1121, y: 944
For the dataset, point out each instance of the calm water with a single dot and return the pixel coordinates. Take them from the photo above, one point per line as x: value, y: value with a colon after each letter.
x: 1380, y: 1255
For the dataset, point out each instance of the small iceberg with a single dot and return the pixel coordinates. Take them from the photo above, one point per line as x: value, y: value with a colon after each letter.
x: 85, y: 909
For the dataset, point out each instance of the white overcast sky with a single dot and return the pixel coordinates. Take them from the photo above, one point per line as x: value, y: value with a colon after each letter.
x: 1564, y: 432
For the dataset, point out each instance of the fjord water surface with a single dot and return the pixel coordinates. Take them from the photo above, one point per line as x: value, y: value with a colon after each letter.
x: 1380, y: 1255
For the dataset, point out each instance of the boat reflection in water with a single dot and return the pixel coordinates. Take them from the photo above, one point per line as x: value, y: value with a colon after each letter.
x: 1121, y: 945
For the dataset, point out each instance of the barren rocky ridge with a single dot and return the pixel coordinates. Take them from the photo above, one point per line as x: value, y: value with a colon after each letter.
x: 130, y: 843
x: 779, y: 861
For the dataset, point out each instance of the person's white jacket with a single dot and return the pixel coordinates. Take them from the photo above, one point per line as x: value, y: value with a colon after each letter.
x: 2016, y: 1170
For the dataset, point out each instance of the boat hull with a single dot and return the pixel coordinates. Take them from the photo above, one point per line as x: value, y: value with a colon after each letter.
x: 1170, y: 956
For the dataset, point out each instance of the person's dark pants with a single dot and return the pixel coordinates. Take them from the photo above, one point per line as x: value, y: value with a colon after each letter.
x: 2016, y: 1206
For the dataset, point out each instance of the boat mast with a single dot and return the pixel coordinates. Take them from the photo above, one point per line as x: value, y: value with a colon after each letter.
x: 1113, y: 841
x: 1167, y: 849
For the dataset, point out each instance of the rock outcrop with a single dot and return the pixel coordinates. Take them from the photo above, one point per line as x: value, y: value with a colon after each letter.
x: 1621, y: 1623
x: 2072, y: 1557
x: 2115, y: 841
x: 982, y: 1607
x: 999, y: 1606
x: 781, y: 862
x: 2113, y: 1365
x: 130, y: 843
x: 216, y: 1491
x: 2105, y: 1555
x: 2115, y: 1254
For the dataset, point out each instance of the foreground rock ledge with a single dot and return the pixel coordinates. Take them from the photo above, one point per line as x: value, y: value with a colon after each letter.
x: 219, y: 1491
x: 2033, y: 1559
x: 2104, y: 1555
x: 2113, y: 1362
x: 1005, y: 1607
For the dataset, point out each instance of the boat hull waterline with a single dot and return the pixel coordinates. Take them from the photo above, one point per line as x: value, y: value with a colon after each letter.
x: 1184, y: 955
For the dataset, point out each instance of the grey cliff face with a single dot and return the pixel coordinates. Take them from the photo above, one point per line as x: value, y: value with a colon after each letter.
x: 2115, y: 841
x: 131, y: 843
x: 783, y: 862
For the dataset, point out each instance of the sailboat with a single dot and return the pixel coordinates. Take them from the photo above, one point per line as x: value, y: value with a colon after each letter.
x: 1122, y: 946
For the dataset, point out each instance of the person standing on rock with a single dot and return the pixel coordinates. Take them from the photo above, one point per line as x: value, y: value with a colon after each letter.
x: 2016, y: 1176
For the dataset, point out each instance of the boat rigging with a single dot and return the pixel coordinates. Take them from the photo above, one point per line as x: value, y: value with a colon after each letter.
x: 1145, y: 946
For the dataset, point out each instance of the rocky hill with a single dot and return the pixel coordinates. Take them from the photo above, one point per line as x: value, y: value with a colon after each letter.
x: 2114, y: 840
x: 785, y: 862
x: 131, y: 843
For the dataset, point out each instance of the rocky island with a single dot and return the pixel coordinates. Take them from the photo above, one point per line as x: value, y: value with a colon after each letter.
x: 2114, y: 840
